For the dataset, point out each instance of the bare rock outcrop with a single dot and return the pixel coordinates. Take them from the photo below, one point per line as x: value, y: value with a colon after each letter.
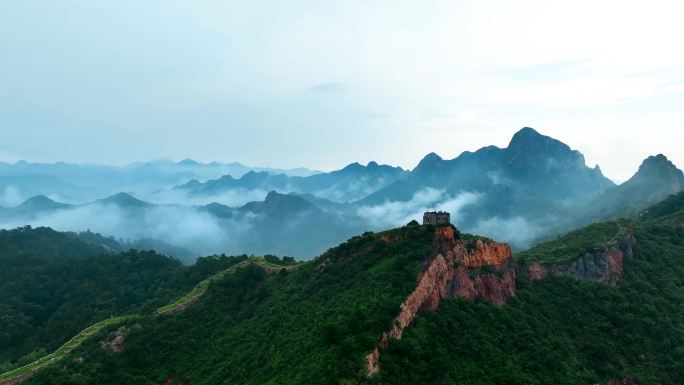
x: 604, y: 265
x: 117, y: 341
x: 454, y: 268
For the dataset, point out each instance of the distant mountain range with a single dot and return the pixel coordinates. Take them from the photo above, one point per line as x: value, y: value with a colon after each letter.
x: 84, y: 182
x: 534, y: 188
x: 348, y: 184
x: 536, y: 179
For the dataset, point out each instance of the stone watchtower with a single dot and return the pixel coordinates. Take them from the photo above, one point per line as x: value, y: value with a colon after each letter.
x: 436, y: 217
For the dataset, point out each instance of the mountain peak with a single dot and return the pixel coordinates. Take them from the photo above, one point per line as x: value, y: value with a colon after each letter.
x: 659, y: 160
x: 188, y: 162
x: 658, y: 167
x: 41, y: 203
x: 431, y: 157
x: 530, y: 139
x: 39, y: 200
x: 276, y: 202
x: 125, y: 200
x: 353, y: 166
x: 528, y: 131
x: 528, y: 147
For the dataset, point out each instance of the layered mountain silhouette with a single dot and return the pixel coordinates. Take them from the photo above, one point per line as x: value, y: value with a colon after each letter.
x: 656, y: 179
x: 353, y: 182
x: 534, y: 188
x: 87, y: 182
x: 535, y: 179
x: 539, y: 164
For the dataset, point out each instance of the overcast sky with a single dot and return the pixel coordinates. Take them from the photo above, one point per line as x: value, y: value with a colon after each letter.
x: 322, y: 83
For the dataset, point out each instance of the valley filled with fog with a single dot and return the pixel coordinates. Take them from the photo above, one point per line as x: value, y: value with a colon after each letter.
x: 533, y: 189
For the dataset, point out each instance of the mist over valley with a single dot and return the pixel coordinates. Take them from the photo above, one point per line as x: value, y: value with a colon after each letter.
x: 535, y: 188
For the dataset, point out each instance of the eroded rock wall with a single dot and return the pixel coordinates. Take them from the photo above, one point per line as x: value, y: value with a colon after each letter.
x: 604, y: 265
x: 454, y: 268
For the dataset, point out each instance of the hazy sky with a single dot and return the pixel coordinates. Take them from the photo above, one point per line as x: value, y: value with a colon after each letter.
x: 321, y: 83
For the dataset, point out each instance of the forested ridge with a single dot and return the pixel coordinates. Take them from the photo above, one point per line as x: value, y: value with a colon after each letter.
x: 317, y: 323
x: 54, y: 284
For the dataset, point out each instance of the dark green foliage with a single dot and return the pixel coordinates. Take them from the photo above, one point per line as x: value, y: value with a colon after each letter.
x: 579, y: 242
x: 286, y: 261
x: 312, y: 325
x: 27, y: 242
x: 558, y: 330
x: 672, y: 206
x: 53, y: 285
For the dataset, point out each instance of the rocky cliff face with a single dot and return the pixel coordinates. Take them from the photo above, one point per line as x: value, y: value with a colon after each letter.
x: 454, y: 268
x: 603, y: 266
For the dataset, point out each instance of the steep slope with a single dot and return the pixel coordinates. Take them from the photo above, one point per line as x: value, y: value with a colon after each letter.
x: 271, y: 264
x: 319, y: 324
x: 597, y: 253
x: 538, y: 164
x: 456, y: 267
x: 532, y: 183
x: 54, y: 284
x: 316, y: 322
x: 656, y: 179
x: 561, y: 329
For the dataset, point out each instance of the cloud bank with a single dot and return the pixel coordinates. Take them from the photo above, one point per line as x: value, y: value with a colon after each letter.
x: 398, y: 213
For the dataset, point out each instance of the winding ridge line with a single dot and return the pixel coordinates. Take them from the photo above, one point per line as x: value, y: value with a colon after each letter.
x: 17, y: 375
x: 194, y: 294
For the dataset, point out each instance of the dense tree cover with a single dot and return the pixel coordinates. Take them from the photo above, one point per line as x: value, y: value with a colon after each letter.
x: 54, y: 284
x: 558, y: 330
x: 579, y: 242
x: 317, y: 323
x: 667, y: 209
x: 28, y: 242
x: 312, y: 324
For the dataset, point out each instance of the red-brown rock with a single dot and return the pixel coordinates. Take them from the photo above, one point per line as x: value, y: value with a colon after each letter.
x: 454, y: 268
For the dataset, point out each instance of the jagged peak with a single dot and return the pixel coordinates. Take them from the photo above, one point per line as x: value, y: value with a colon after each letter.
x: 276, y: 202
x: 657, y: 161
x: 657, y: 168
x: 272, y: 195
x: 353, y: 166
x: 255, y: 174
x: 370, y: 166
x: 275, y: 196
